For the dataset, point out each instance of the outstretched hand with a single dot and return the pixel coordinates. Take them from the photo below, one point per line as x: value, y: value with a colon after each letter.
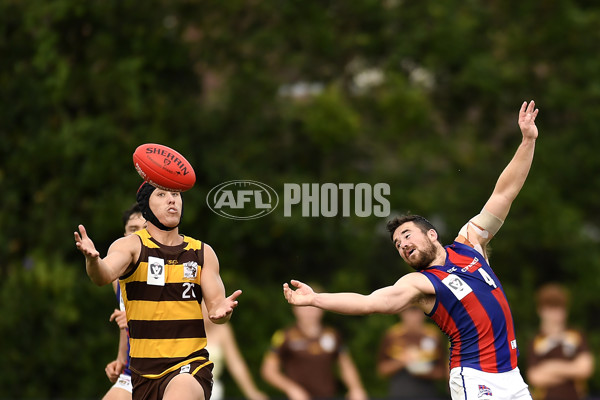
x: 303, y: 295
x: 85, y: 244
x: 527, y: 116
x: 222, y: 312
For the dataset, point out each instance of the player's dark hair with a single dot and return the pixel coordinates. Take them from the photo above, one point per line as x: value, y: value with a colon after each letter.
x: 423, y: 224
x: 553, y: 294
x: 134, y: 209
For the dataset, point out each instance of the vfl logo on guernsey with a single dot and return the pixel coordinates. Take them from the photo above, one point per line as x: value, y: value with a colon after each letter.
x: 457, y: 286
x: 242, y: 199
x: 156, y: 271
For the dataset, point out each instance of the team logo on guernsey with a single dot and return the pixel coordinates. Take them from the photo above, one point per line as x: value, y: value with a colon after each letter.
x: 484, y: 391
x: 457, y: 286
x: 156, y: 271
x: 190, y: 270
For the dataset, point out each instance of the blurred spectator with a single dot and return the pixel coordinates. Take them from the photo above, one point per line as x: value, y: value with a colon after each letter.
x: 224, y: 351
x: 302, y: 360
x: 560, y: 362
x: 413, y: 355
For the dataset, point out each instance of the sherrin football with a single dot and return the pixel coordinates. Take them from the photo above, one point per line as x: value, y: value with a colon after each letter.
x: 164, y: 167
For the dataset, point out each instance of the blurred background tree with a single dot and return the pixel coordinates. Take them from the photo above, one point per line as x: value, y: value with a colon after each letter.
x: 420, y: 95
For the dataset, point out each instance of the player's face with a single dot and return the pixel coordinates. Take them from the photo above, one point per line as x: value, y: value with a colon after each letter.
x: 553, y: 315
x: 415, y: 246
x: 412, y: 317
x: 166, y: 206
x: 135, y: 223
x: 308, y: 315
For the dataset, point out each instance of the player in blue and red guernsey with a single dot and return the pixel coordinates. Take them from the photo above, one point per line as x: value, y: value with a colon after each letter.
x: 455, y: 286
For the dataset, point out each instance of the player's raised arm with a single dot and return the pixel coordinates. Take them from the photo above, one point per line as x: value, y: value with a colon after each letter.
x: 119, y: 257
x: 388, y: 300
x: 513, y: 177
x: 485, y: 225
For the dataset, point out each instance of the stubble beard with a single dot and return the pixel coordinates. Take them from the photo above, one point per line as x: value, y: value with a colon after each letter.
x: 425, y: 258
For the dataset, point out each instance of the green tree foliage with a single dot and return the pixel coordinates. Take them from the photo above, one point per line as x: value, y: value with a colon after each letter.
x: 420, y: 95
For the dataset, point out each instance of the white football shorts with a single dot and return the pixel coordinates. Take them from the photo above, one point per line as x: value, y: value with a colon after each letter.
x: 124, y: 382
x: 471, y: 384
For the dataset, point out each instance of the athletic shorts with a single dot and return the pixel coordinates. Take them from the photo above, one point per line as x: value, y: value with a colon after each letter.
x: 154, y: 389
x: 471, y: 384
x: 124, y: 382
x: 218, y: 391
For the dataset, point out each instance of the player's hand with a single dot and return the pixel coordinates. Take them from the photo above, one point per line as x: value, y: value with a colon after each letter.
x: 527, y: 116
x: 85, y: 244
x: 411, y: 355
x: 357, y: 394
x: 223, y: 311
x: 114, y: 369
x: 297, y: 393
x: 257, y: 395
x: 120, y: 318
x: 303, y: 295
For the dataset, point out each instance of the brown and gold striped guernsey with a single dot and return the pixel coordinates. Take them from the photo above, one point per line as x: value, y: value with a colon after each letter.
x: 162, y: 298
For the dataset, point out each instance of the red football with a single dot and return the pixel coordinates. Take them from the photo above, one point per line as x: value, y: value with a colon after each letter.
x: 163, y: 167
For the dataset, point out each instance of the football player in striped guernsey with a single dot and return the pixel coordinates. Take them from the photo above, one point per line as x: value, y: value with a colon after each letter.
x: 455, y: 286
x: 164, y: 276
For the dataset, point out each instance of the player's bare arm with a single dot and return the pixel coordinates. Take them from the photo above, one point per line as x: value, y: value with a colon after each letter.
x: 551, y: 372
x: 411, y: 289
x: 219, y: 307
x: 120, y: 256
x: 513, y: 177
x: 237, y: 366
x: 351, y: 377
x: 272, y: 372
x: 484, y: 226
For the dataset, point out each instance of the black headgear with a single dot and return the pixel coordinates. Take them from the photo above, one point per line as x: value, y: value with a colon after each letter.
x: 143, y: 200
